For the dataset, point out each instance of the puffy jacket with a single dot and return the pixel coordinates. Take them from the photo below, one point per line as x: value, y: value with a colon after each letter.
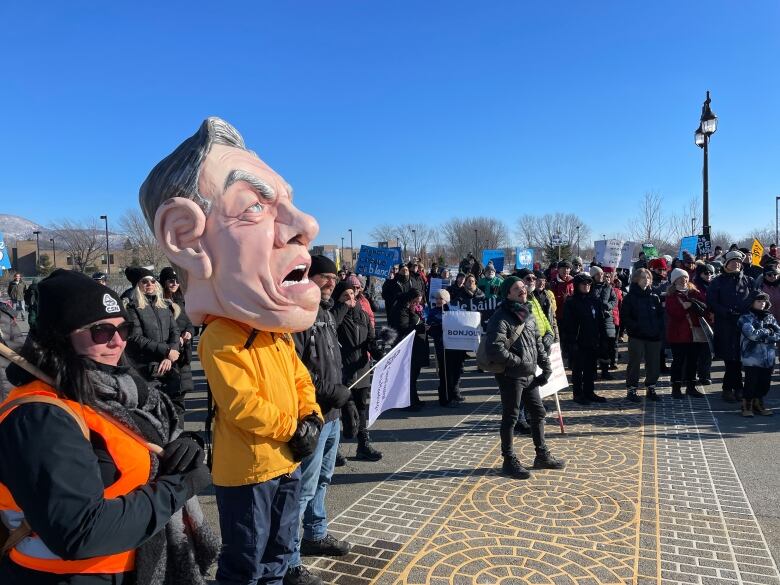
x: 356, y: 336
x: 642, y: 314
x: 527, y: 352
x: 417, y: 281
x: 545, y: 329
x: 728, y: 296
x: 759, y: 334
x: 582, y: 323
x: 605, y: 294
x: 261, y: 392
x: 318, y: 348
x: 391, y: 289
x: 154, y: 332
x: 562, y: 290
x: 679, y: 320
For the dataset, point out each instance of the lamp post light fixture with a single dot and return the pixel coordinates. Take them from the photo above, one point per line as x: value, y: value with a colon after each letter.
x: 108, y: 254
x: 37, y: 252
x: 708, y: 124
x: 53, y: 254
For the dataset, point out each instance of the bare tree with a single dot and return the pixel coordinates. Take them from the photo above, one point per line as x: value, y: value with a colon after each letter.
x: 82, y: 240
x: 650, y: 224
x: 385, y: 232
x: 141, y: 239
x: 537, y: 231
x: 684, y: 223
x: 472, y: 235
x: 722, y: 239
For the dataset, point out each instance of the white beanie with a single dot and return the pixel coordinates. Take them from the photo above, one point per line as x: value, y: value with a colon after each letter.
x: 594, y: 270
x: 445, y: 295
x: 677, y: 273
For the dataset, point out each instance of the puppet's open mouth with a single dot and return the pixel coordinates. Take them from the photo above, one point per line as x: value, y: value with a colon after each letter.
x: 296, y: 276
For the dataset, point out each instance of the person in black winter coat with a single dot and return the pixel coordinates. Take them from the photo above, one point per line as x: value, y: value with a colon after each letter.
x: 704, y: 275
x: 154, y: 344
x: 172, y: 293
x: 395, y: 287
x: 602, y: 290
x: 728, y: 296
x: 356, y: 337
x: 513, y: 340
x: 464, y: 295
x: 450, y: 361
x: 405, y: 319
x: 581, y: 328
x: 417, y: 281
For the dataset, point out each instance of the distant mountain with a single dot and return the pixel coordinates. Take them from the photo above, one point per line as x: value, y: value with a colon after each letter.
x: 14, y: 227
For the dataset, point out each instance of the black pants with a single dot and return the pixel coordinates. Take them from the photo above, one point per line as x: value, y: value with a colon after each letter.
x: 684, y: 360
x: 704, y: 363
x: 732, y: 377
x: 449, y: 373
x: 361, y: 397
x: 583, y: 371
x: 610, y: 353
x: 757, y: 381
x: 415, y: 373
x: 514, y: 394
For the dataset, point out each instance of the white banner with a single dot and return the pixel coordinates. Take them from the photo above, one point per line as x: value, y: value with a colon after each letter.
x: 608, y: 252
x: 390, y: 385
x: 461, y: 330
x: 558, y: 380
x: 627, y: 255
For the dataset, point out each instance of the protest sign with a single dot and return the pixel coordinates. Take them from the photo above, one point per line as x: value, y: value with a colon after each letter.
x: 486, y: 307
x: 757, y: 252
x: 497, y: 256
x: 397, y: 259
x: 461, y: 330
x: 435, y: 285
x: 5, y: 262
x: 608, y: 252
x: 558, y: 380
x: 390, y: 385
x: 524, y: 258
x: 703, y: 245
x: 688, y: 244
x: 627, y: 255
x: 650, y: 251
x: 375, y: 261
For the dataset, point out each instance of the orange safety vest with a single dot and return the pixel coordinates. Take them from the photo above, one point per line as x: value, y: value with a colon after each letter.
x: 132, y: 460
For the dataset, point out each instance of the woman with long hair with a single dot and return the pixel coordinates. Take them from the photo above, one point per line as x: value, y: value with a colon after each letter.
x: 84, y: 500
x: 172, y: 293
x: 154, y: 343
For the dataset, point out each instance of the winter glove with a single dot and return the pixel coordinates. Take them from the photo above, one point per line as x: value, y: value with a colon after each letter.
x: 179, y: 455
x: 304, y: 440
x: 350, y: 419
x: 197, y: 479
x: 541, y: 379
x: 341, y: 395
x: 547, y: 341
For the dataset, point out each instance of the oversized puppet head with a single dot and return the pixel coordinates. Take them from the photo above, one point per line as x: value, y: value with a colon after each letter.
x: 227, y: 221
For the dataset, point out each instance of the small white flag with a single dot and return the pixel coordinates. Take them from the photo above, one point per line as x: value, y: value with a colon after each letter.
x: 390, y: 385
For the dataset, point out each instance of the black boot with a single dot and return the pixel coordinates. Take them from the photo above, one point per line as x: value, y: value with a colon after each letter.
x: 365, y: 451
x: 677, y: 390
x: 300, y: 575
x: 605, y: 375
x: 341, y: 461
x: 690, y: 390
x: 544, y: 460
x: 512, y: 468
x: 522, y: 427
x: 593, y: 397
x: 651, y: 395
x: 631, y: 395
x: 728, y: 396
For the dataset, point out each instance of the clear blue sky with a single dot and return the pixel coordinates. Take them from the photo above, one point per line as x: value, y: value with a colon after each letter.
x: 399, y: 111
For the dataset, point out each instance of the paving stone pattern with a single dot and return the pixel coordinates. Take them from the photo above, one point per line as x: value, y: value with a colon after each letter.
x: 649, y: 495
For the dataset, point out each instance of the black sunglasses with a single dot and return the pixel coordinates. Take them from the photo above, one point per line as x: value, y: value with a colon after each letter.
x: 104, y: 332
x: 148, y: 280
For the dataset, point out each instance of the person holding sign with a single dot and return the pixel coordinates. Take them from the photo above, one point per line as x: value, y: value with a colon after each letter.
x: 513, y: 343
x: 450, y: 360
x: 405, y: 318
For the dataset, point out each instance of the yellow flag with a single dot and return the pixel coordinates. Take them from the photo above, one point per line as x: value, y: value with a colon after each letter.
x: 757, y: 252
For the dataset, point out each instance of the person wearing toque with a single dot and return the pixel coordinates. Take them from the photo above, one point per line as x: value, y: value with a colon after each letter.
x: 82, y: 496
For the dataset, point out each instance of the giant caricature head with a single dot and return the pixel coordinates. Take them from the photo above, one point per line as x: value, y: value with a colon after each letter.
x: 227, y: 220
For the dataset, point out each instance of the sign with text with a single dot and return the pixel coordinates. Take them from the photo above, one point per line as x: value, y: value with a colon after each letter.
x: 558, y: 380
x: 524, y: 258
x: 497, y: 256
x: 688, y: 244
x: 375, y: 261
x: 703, y: 246
x: 627, y: 255
x: 650, y: 251
x: 461, y: 330
x: 608, y: 252
x: 757, y: 252
x: 5, y: 262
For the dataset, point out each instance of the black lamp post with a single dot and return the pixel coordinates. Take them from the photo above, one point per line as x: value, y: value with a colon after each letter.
x: 108, y: 254
x: 342, y: 253
x: 351, y: 250
x: 37, y: 252
x: 53, y: 253
x: 708, y: 124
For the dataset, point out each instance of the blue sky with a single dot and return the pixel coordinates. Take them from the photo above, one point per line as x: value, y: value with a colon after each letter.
x: 399, y: 111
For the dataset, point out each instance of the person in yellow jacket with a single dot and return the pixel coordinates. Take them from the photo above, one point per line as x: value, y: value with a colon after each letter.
x: 227, y: 221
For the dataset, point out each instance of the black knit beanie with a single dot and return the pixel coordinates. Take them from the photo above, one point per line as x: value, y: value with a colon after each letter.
x: 322, y: 265
x: 68, y: 300
x: 136, y: 273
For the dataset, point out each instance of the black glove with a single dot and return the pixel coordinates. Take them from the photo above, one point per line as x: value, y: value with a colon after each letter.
x: 197, y: 479
x: 541, y: 379
x: 350, y: 419
x: 304, y: 440
x: 179, y: 455
x: 341, y: 395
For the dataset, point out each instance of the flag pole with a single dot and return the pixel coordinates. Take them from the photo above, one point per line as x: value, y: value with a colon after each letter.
x: 560, y: 416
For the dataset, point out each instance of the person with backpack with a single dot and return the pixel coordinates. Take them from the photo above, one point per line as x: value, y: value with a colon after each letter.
x: 512, y: 349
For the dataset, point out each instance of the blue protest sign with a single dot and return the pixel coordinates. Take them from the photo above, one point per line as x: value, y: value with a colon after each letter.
x: 688, y: 244
x: 524, y: 258
x: 5, y: 261
x: 397, y: 251
x: 497, y: 256
x: 375, y: 261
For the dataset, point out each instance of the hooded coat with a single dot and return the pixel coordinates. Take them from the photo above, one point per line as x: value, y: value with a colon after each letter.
x: 759, y: 334
x: 729, y: 297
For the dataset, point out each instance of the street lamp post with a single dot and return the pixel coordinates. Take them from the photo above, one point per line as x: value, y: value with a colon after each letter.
x: 342, y: 253
x: 708, y: 124
x: 108, y: 254
x: 351, y: 250
x: 53, y: 254
x: 37, y: 252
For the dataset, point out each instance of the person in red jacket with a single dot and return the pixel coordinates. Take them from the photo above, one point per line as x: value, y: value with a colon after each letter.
x: 685, y: 304
x: 562, y: 286
x: 611, y: 276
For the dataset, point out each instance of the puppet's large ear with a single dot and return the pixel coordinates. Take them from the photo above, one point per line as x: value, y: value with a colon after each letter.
x: 179, y: 225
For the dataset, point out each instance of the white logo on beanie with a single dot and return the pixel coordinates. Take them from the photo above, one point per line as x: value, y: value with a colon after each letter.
x: 110, y: 304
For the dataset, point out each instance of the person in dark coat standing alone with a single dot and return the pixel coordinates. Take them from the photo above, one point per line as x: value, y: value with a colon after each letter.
x: 581, y: 327
x: 602, y: 290
x: 172, y: 293
x: 405, y: 319
x: 729, y: 296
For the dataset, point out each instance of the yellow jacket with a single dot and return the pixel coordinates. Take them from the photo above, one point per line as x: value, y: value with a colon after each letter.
x: 260, y: 393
